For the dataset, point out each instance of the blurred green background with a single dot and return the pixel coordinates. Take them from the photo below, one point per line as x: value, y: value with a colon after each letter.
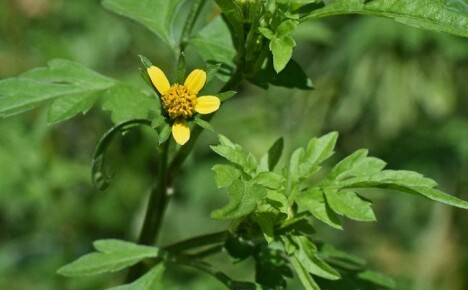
x: 399, y: 91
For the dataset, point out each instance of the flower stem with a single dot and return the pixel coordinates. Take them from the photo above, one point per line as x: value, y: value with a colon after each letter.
x: 189, y: 23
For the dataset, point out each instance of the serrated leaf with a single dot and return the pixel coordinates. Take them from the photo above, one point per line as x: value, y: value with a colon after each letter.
x: 67, y: 107
x: 306, y: 162
x: 126, y: 103
x: 225, y: 174
x: 150, y: 281
x: 356, y: 164
x: 349, y: 204
x: 214, y: 43
x: 275, y: 152
x: 211, y: 72
x: 243, y: 199
x: 282, y: 49
x: 270, y: 180
x: 156, y: 15
x: 117, y: 256
x: 236, y: 154
x: 278, y: 201
x: 426, y: 14
x: 314, y: 202
x: 61, y: 78
x: 101, y: 179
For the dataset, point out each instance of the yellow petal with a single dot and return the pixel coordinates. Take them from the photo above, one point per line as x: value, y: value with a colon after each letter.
x: 207, y: 104
x: 159, y: 79
x: 195, y: 81
x: 180, y: 131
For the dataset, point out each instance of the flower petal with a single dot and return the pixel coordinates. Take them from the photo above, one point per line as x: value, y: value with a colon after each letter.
x: 195, y: 81
x: 159, y: 79
x: 180, y: 131
x: 207, y: 104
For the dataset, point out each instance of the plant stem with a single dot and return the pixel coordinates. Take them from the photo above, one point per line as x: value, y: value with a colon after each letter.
x: 207, y: 268
x: 196, y: 242
x: 189, y: 23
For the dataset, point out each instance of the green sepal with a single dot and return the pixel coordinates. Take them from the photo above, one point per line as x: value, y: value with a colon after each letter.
x: 145, y: 61
x: 204, y: 124
x: 164, y: 133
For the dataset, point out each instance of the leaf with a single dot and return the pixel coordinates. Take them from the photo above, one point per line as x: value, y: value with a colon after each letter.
x: 314, y: 202
x: 164, y: 133
x: 306, y: 279
x: 150, y: 281
x: 344, y: 259
x: 349, y: 204
x: 40, y: 86
x: 214, y: 43
x: 158, y: 121
x: 236, y: 154
x: 126, y: 103
x: 292, y: 76
x: 275, y: 152
x: 426, y: 14
x: 271, y: 268
x: 233, y: 13
x: 270, y: 180
x: 265, y: 221
x: 226, y: 95
x: 156, y: 15
x: 377, y: 278
x: 238, y: 248
x: 112, y: 255
x: 307, y: 255
x: 286, y: 27
x: 243, y: 198
x: 204, y: 124
x: 225, y: 174
x: 67, y: 107
x: 356, y: 164
x: 460, y: 6
x: 282, y: 49
x: 304, y: 163
x: 101, y: 179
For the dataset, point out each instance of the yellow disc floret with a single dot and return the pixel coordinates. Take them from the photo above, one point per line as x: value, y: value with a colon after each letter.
x: 179, y: 102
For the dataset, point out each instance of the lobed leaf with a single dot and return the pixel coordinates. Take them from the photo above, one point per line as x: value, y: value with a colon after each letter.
x: 225, y: 174
x: 314, y: 202
x: 349, y: 204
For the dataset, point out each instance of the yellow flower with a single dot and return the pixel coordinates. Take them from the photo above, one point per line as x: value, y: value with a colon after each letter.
x: 181, y: 101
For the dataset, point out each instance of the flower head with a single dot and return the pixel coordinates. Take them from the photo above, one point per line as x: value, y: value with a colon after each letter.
x: 181, y: 101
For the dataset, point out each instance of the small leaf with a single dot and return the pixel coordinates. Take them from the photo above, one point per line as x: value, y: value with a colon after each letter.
x: 328, y: 252
x: 269, y: 180
x: 306, y: 279
x: 275, y: 152
x: 286, y: 28
x: 165, y: 133
x: 211, y: 72
x: 282, y: 49
x: 67, y: 107
x: 349, y: 204
x: 204, y: 124
x: 117, y: 256
x: 266, y: 32
x: 236, y: 154
x: 265, y: 221
x: 356, y: 164
x: 226, y: 95
x: 150, y: 281
x: 225, y: 175
x: 377, y: 278
x: 243, y: 198
x: 158, y: 121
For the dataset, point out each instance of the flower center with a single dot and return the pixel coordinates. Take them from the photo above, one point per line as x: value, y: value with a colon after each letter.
x: 179, y: 102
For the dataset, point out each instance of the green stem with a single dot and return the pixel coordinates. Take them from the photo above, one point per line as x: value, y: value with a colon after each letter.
x: 189, y: 23
x: 204, y: 267
x: 196, y: 242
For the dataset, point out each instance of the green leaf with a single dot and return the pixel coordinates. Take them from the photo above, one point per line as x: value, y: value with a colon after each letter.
x: 349, y: 204
x: 377, y: 278
x: 306, y: 279
x: 286, y: 28
x: 204, y: 124
x: 211, y: 72
x: 156, y: 15
x: 238, y: 248
x: 265, y: 221
x: 214, y: 43
x: 226, y: 174
x: 278, y: 201
x: 314, y: 202
x: 266, y: 32
x: 101, y: 179
x: 236, y: 154
x: 426, y: 14
x: 275, y: 152
x: 344, y: 259
x: 306, y: 162
x: 61, y: 79
x: 270, y: 180
x: 307, y: 256
x: 226, y: 95
x: 271, y: 268
x: 67, y: 107
x: 150, y: 281
x: 356, y: 164
x: 158, y: 121
x: 243, y: 198
x: 233, y: 13
x: 126, y: 103
x: 112, y: 255
x: 164, y: 133
x: 460, y: 6
x: 282, y: 49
